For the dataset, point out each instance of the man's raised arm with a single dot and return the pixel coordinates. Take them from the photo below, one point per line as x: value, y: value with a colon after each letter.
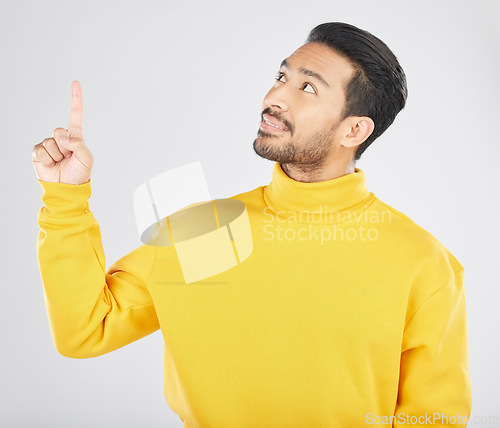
x: 91, y: 311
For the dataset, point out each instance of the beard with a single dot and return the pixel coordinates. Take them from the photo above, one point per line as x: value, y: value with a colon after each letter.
x: 307, y: 154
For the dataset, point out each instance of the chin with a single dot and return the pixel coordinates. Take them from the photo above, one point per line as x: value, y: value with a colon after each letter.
x: 265, y: 149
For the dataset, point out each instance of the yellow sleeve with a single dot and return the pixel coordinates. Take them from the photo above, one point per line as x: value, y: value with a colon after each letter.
x: 434, y: 373
x: 91, y: 311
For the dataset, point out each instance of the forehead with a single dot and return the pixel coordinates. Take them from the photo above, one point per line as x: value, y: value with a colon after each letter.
x: 335, y: 69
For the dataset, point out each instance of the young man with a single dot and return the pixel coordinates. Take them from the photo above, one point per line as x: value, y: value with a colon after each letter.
x: 345, y: 313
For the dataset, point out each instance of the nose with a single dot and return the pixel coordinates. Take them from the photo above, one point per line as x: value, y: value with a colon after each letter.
x: 277, y: 98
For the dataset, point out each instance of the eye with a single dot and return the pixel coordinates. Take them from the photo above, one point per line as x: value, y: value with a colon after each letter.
x: 308, y: 88
x: 280, y: 77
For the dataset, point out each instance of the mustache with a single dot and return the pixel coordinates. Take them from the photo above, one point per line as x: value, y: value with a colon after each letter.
x: 278, y: 116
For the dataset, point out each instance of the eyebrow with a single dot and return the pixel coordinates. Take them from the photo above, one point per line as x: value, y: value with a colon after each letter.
x: 307, y: 72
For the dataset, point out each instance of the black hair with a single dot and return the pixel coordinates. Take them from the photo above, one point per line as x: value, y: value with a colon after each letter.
x: 378, y: 87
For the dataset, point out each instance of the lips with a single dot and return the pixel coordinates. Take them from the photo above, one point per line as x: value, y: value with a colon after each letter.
x: 271, y: 123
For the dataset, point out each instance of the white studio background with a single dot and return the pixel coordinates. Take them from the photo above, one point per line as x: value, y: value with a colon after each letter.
x: 167, y: 83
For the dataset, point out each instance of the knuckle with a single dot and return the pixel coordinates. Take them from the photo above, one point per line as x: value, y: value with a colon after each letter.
x: 58, y: 132
x: 46, y: 159
x: 39, y: 154
x: 48, y: 142
x: 38, y: 150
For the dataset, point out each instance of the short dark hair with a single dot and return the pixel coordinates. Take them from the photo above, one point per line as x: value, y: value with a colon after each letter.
x: 378, y: 88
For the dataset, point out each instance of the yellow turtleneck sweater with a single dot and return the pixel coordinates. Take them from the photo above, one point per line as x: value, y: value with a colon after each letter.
x: 345, y: 314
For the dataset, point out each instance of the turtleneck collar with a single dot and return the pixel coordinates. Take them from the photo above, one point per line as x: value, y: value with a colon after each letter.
x: 286, y: 197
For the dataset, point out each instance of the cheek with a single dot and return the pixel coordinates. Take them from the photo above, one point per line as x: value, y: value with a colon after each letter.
x: 314, y: 121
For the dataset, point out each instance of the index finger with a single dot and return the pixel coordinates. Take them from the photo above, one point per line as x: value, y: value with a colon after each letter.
x: 76, y: 115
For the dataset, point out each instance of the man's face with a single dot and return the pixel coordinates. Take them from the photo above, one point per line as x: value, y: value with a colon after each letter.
x: 303, y: 109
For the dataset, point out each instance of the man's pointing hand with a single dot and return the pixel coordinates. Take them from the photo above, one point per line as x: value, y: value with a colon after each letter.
x: 65, y: 158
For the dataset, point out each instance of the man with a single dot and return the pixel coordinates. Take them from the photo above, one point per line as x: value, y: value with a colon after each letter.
x: 346, y: 312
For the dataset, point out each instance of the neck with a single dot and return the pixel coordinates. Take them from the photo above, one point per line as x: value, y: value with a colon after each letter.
x: 329, y: 201
x: 314, y: 174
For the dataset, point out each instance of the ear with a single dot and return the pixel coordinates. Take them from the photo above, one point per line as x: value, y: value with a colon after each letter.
x: 358, y: 129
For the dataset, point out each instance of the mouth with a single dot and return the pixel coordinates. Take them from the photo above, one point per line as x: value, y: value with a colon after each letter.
x: 270, y: 123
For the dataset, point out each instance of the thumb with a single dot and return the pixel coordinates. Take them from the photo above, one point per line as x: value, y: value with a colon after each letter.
x: 66, y: 142
x: 77, y: 146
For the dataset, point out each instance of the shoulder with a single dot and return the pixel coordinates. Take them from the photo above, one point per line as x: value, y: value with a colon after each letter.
x: 411, y: 238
